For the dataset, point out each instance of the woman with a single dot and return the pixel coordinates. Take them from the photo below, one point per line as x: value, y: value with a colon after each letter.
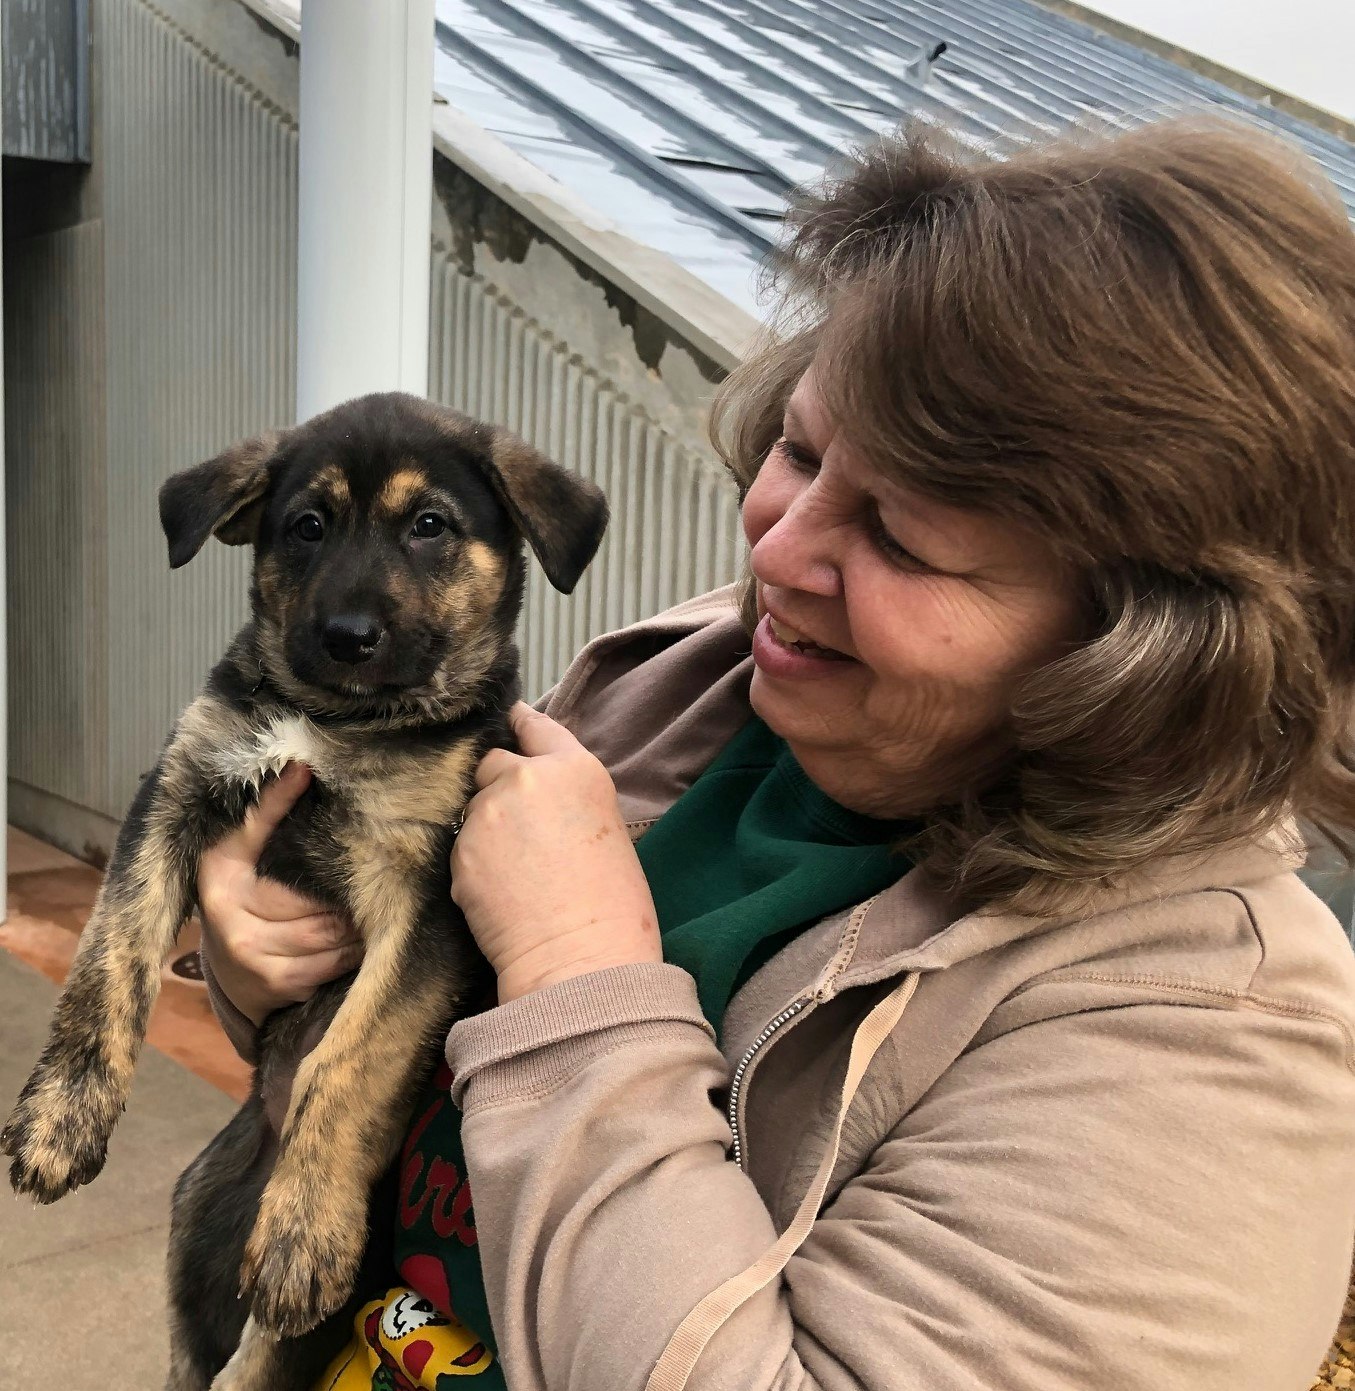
x: 980, y: 867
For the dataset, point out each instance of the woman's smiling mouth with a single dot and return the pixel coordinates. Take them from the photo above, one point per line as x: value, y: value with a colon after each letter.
x: 781, y: 651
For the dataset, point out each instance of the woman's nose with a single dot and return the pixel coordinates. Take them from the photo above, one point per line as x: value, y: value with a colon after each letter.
x: 795, y: 549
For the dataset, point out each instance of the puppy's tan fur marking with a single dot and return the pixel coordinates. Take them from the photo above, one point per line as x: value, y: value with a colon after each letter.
x: 254, y: 1367
x: 331, y: 483
x: 470, y: 594
x: 432, y: 793
x: 487, y: 566
x: 402, y: 490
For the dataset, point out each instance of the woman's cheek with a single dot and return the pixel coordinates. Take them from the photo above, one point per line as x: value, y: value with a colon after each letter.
x: 917, y: 642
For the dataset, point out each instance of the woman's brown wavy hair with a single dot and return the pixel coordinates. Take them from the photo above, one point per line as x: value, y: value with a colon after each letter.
x: 1142, y: 346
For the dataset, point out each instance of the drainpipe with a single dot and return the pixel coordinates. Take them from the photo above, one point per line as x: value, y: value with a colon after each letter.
x: 364, y: 218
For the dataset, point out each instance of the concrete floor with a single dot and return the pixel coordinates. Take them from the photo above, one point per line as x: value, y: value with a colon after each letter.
x: 82, y: 1282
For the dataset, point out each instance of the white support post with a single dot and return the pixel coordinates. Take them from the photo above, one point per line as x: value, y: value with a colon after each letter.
x: 364, y: 217
x: 4, y: 602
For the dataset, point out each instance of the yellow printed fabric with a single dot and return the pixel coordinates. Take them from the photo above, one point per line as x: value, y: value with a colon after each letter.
x: 402, y: 1343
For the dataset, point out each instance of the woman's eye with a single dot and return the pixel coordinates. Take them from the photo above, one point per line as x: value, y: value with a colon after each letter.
x: 308, y: 527
x: 428, y: 525
x: 900, y: 555
x: 799, y: 457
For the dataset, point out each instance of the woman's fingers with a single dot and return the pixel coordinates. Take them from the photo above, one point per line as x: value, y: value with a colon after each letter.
x: 296, y: 978
x: 494, y: 765
x: 268, y: 944
x: 266, y: 898
x: 537, y: 733
x: 315, y: 935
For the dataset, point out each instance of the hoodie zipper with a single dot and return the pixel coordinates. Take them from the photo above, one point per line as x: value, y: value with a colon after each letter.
x: 736, y: 1084
x: 635, y: 829
x: 821, y: 991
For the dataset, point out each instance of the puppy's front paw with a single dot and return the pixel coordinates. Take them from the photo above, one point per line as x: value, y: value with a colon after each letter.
x: 302, y: 1257
x: 57, y: 1134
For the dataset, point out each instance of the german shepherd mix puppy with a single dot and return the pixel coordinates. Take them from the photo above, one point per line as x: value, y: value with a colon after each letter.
x: 388, y: 576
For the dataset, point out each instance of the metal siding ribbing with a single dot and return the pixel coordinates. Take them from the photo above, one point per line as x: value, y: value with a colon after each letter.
x: 54, y: 536
x: 200, y: 255
x: 675, y: 527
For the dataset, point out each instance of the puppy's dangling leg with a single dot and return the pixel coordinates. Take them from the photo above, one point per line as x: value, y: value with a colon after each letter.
x: 351, y: 1100
x: 257, y: 1364
x: 183, y: 1375
x: 58, y: 1132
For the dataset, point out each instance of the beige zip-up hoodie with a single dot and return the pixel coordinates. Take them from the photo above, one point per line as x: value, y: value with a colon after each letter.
x: 1115, y: 1153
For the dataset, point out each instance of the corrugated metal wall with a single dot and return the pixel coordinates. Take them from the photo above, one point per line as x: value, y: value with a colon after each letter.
x: 200, y: 267
x: 55, y: 513
x: 183, y: 297
x: 139, y: 341
x: 675, y: 527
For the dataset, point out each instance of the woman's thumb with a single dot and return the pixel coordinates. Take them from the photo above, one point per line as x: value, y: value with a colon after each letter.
x: 537, y: 733
x: 277, y: 798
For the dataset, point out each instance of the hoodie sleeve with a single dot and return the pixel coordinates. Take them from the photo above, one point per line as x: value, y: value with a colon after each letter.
x: 242, y: 1032
x: 1152, y: 1197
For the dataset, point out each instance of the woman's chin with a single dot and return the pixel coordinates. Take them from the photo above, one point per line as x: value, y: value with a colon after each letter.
x: 801, y: 715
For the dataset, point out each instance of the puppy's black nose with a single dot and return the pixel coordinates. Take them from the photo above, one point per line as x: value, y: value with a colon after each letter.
x: 351, y: 637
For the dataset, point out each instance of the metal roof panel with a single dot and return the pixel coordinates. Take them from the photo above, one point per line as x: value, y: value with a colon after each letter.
x: 689, y: 121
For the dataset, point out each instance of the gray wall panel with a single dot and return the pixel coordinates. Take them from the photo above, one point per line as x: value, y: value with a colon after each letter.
x: 200, y: 179
x: 44, y: 46
x: 54, y: 510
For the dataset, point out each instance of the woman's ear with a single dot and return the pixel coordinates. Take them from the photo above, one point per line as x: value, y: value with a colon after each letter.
x: 222, y: 497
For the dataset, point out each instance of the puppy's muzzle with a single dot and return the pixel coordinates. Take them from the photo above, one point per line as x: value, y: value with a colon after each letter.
x: 352, y: 637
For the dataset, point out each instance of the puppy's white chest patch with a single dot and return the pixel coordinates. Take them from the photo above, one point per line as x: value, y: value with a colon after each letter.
x: 284, y: 739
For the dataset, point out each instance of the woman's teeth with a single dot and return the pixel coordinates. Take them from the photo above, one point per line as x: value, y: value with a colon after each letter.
x: 793, y: 638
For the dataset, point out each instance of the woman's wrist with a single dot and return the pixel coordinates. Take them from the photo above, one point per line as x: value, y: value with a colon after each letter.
x: 562, y: 959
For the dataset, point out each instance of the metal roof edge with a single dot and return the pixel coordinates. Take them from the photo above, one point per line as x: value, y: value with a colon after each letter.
x: 283, y: 15
x: 1239, y: 82
x: 712, y: 324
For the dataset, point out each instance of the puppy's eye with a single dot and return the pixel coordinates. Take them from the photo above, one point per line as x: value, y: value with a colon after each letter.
x: 308, y: 527
x: 428, y: 525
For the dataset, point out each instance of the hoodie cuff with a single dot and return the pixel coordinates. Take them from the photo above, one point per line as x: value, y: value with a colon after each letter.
x: 534, y: 1043
x: 239, y: 1028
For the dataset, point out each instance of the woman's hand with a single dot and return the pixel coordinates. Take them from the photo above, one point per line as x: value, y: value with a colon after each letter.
x: 268, y: 946
x: 544, y: 869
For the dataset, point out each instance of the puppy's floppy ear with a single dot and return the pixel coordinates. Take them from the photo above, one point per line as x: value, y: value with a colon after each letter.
x: 223, y: 496
x: 562, y: 515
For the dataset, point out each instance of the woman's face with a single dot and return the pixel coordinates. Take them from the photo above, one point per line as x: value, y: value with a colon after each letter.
x: 931, y: 616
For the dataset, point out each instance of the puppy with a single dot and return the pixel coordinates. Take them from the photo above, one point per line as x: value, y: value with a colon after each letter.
x: 388, y: 575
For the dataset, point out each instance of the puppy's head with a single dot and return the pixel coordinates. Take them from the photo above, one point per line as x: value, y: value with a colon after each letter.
x: 388, y: 537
